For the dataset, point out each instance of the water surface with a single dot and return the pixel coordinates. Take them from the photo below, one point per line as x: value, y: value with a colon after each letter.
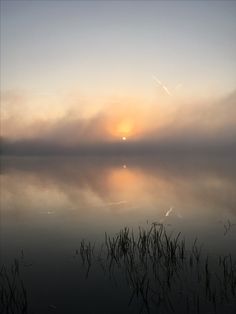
x: 49, y: 204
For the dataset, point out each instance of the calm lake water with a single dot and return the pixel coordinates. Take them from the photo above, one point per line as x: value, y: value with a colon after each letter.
x: 49, y: 204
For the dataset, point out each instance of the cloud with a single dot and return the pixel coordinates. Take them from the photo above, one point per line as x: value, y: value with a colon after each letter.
x: 208, y: 124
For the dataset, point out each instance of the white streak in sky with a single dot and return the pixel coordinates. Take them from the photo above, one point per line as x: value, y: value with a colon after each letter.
x: 162, y: 85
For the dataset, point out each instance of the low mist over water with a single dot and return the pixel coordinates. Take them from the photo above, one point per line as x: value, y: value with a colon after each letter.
x: 133, y: 188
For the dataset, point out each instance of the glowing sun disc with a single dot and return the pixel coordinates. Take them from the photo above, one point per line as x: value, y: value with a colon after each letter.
x: 123, y: 138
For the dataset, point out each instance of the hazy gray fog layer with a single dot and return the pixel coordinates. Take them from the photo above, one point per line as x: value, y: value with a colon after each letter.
x: 204, y: 126
x: 43, y: 147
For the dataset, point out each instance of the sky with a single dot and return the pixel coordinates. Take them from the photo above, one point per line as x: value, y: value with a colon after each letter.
x: 92, y: 72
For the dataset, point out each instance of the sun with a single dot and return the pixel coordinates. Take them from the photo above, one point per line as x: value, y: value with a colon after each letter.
x: 124, y: 138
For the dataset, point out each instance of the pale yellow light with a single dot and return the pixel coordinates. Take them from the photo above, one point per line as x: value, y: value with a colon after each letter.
x: 124, y: 138
x: 125, y: 126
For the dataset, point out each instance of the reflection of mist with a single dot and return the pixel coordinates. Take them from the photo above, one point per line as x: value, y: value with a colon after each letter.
x: 92, y: 184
